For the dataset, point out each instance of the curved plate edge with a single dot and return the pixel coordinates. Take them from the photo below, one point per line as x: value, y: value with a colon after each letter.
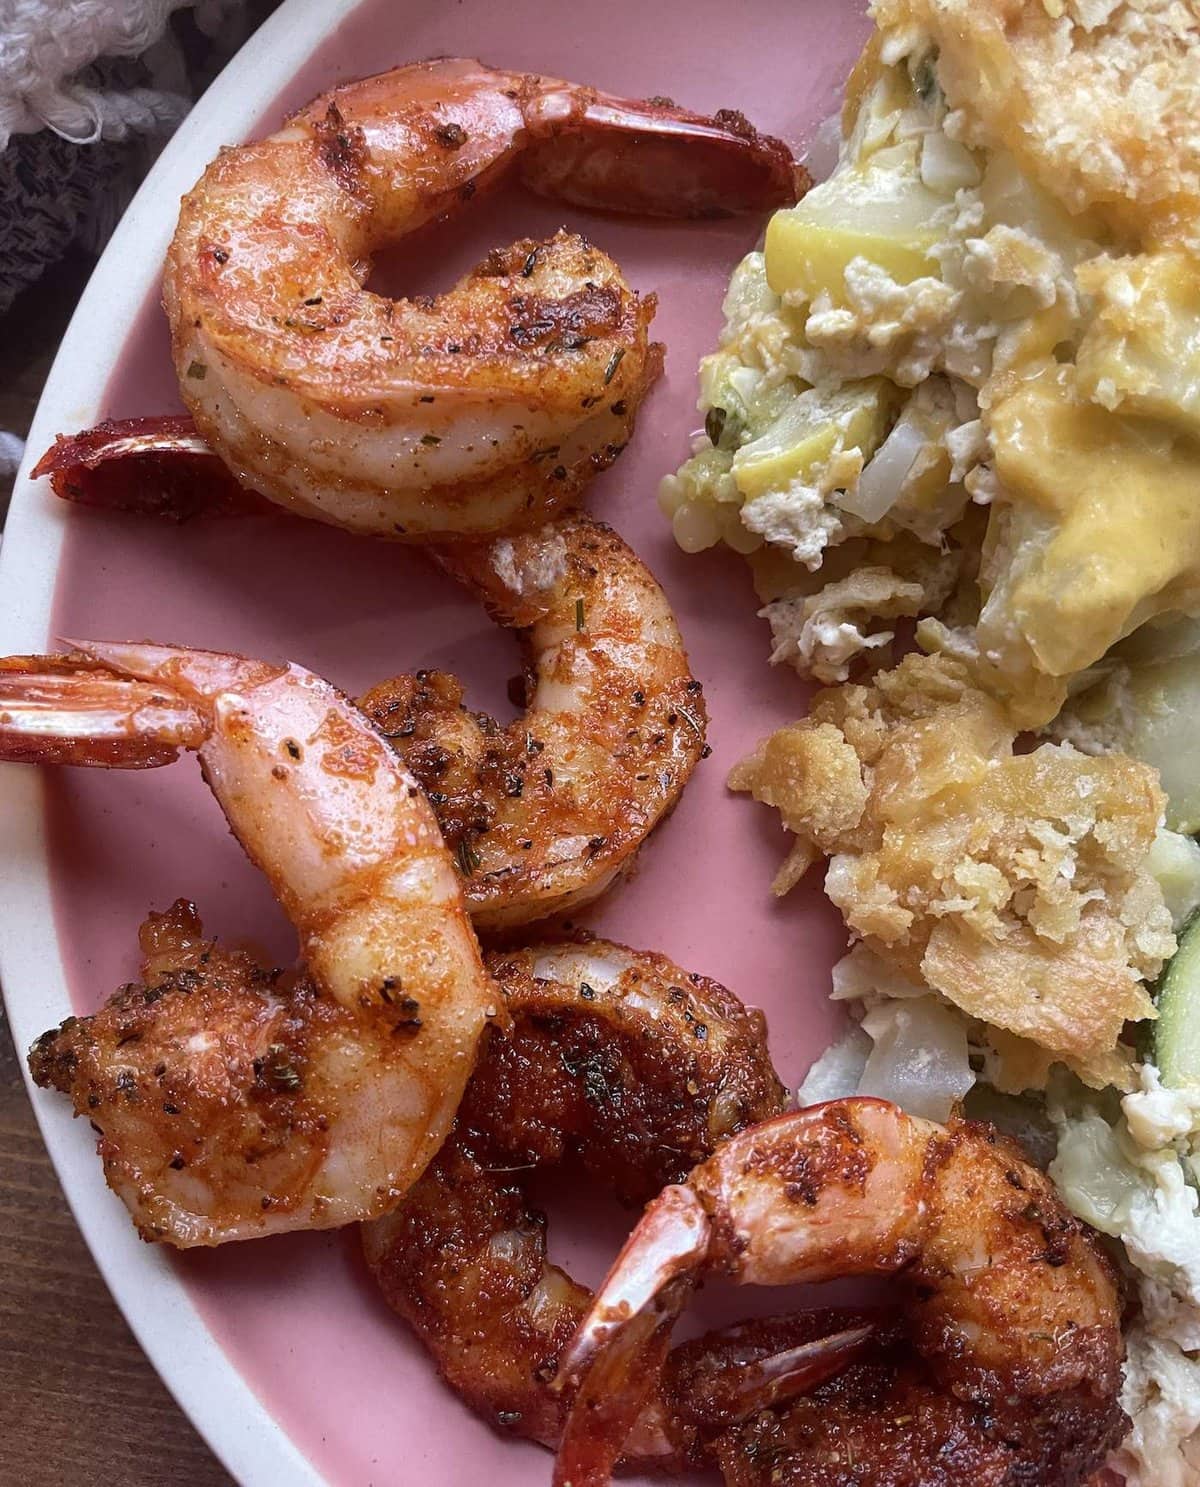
x: 245, y: 1437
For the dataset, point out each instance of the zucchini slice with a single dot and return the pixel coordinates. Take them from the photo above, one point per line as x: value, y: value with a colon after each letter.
x: 1177, y: 1031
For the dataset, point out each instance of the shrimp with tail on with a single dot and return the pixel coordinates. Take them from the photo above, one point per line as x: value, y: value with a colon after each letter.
x: 477, y: 411
x: 1005, y: 1369
x: 231, y: 1102
x: 620, y: 1063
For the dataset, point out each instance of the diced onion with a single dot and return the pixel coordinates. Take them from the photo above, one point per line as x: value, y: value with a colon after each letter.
x: 913, y: 1052
x: 1161, y: 640
x: 946, y: 166
x: 920, y: 1058
x: 1093, y: 1173
x: 695, y: 527
x: 838, y: 1072
x: 734, y: 534
x: 671, y: 494
x: 880, y: 482
x: 746, y: 382
x: 1174, y: 860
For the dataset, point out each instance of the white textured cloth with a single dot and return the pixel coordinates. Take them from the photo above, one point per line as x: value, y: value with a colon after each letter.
x: 45, y: 44
x: 89, y: 91
x: 11, y: 449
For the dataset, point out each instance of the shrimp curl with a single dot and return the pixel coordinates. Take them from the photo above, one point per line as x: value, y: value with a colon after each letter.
x: 467, y: 414
x: 544, y: 813
x: 1008, y: 1367
x: 231, y: 1103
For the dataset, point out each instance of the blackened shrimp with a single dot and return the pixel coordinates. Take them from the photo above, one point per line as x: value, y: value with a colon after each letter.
x: 466, y: 414
x: 544, y: 813
x: 230, y: 1103
x: 1009, y: 1368
x: 616, y: 1061
x: 883, y: 1422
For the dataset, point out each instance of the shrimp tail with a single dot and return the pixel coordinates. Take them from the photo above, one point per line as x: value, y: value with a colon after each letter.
x: 151, y: 466
x: 194, y: 673
x: 115, y: 704
x: 65, y: 710
x: 670, y: 1241
x: 614, y: 1392
x: 616, y: 1356
x: 612, y: 1395
x: 652, y: 158
x: 784, y: 1375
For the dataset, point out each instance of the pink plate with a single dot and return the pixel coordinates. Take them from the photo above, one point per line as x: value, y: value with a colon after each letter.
x: 279, y: 1349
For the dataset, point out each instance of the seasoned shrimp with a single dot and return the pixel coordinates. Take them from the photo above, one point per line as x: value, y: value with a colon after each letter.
x: 885, y: 1425
x: 878, y: 1423
x: 617, y: 1061
x: 1012, y: 1359
x: 468, y: 413
x: 544, y: 814
x: 229, y: 1104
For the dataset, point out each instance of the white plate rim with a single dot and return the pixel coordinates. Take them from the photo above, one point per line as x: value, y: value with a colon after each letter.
x: 246, y: 1438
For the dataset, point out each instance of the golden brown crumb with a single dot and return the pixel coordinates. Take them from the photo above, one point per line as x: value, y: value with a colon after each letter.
x: 1013, y: 1065
x: 1097, y: 99
x: 811, y: 775
x: 1015, y: 884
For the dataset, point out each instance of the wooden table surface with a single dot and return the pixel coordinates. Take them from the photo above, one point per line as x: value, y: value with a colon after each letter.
x: 80, y: 1405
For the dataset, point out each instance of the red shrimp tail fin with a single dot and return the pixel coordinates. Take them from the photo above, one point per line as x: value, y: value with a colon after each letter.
x: 615, y: 1394
x: 184, y: 670
x: 614, y: 1361
x: 157, y: 467
x: 782, y: 1376
x: 652, y: 158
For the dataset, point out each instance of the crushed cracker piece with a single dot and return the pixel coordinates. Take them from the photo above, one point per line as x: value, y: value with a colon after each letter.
x: 1015, y: 884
